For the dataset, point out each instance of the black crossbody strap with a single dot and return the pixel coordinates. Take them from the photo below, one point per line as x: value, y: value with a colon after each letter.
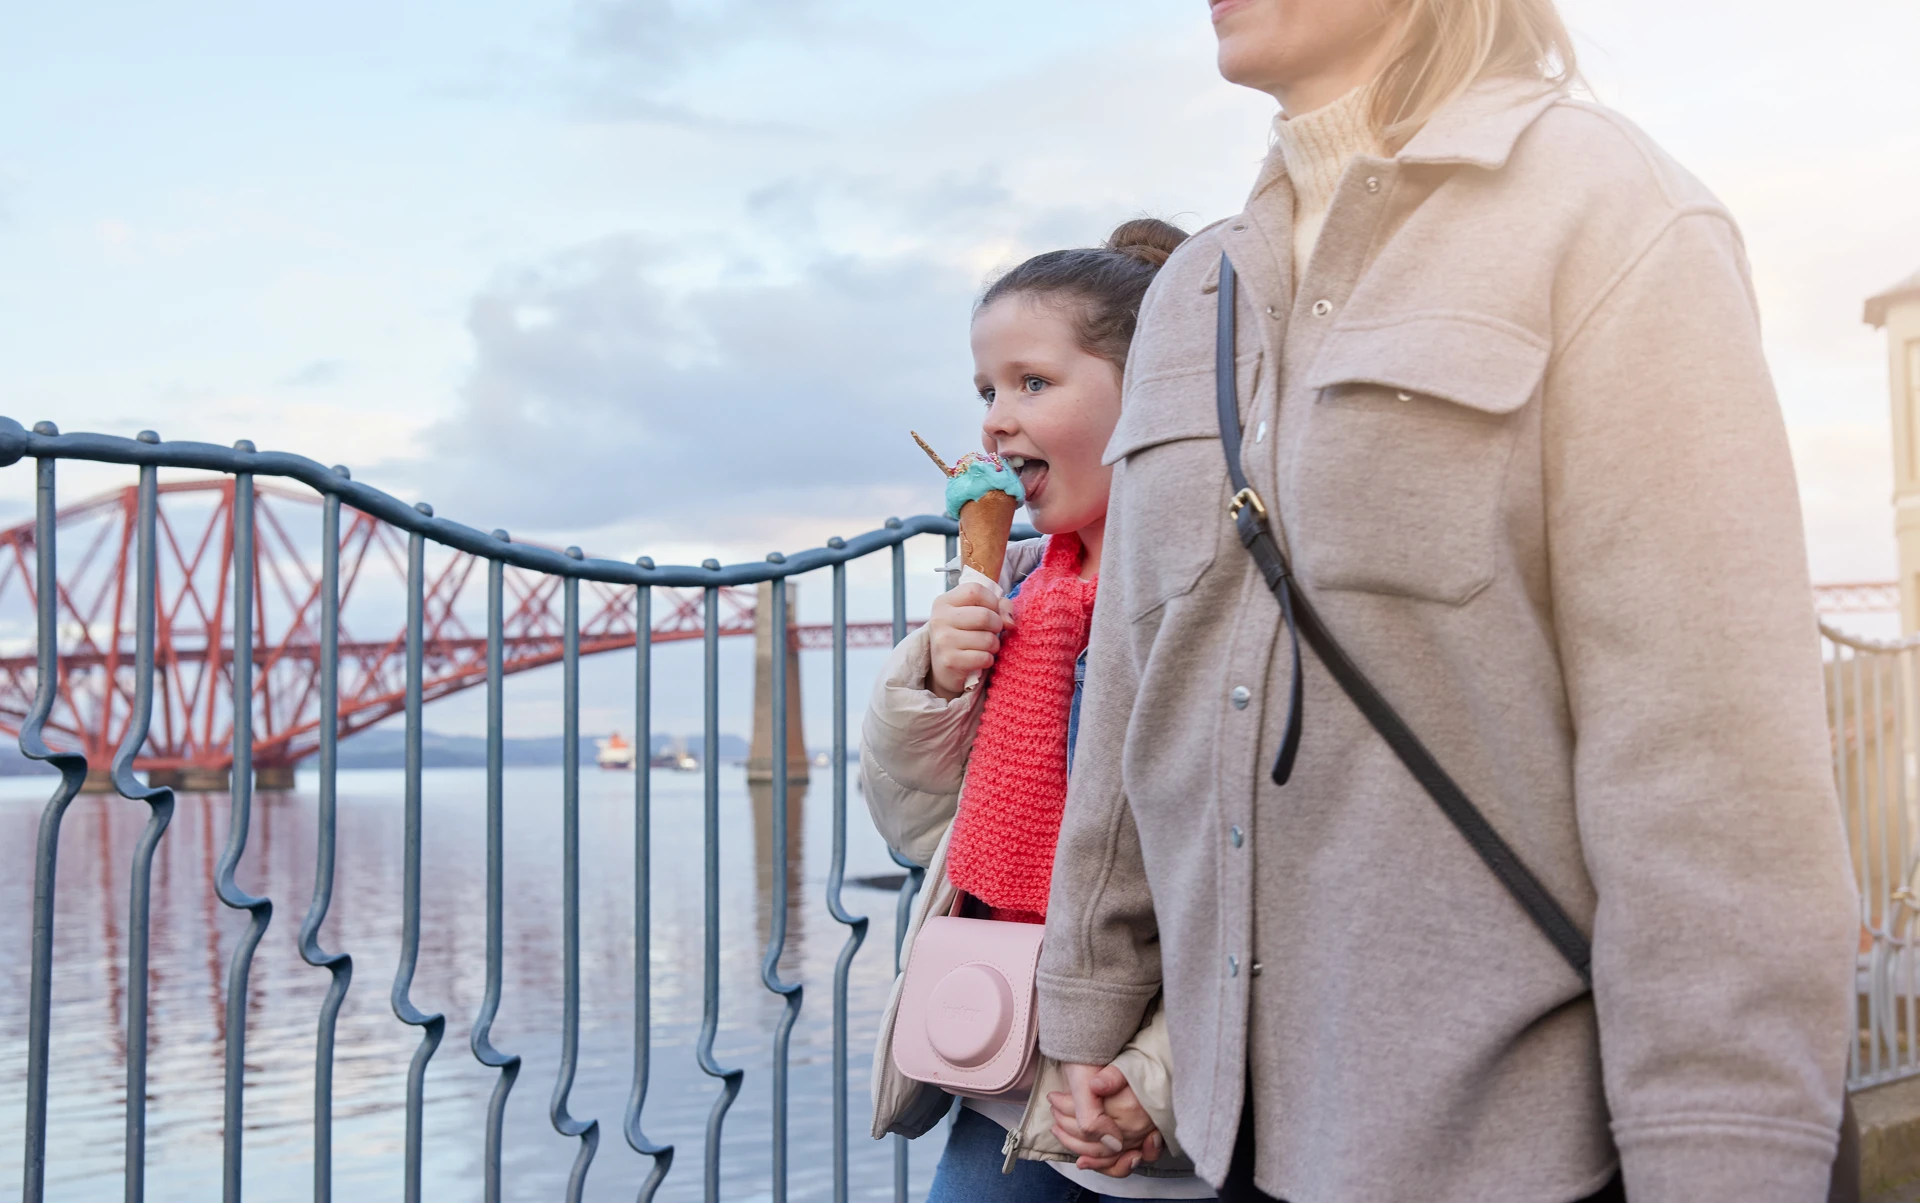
x: 1303, y: 622
x: 1250, y: 516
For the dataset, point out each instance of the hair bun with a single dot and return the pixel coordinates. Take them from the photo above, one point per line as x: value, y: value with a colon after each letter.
x: 1147, y: 239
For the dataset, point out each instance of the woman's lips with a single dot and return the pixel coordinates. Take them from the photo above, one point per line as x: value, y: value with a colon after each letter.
x: 1220, y: 8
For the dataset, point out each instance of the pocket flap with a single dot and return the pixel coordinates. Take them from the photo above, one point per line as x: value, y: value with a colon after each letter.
x: 1481, y: 363
x: 1173, y: 405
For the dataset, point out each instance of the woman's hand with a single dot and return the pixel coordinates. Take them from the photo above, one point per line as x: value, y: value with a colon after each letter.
x: 1099, y: 1119
x: 963, y: 636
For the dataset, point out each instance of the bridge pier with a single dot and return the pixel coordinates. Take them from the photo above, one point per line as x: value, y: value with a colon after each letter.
x: 193, y: 779
x: 760, y: 754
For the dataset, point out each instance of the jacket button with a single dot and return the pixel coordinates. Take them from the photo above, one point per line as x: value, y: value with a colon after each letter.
x: 1233, y: 966
x: 1240, y: 696
x: 1253, y: 970
x: 1322, y: 307
x: 1373, y: 183
x: 1235, y: 836
x: 1403, y: 395
x: 1273, y: 313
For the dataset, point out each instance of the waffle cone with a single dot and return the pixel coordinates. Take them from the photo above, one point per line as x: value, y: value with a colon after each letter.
x: 985, y: 524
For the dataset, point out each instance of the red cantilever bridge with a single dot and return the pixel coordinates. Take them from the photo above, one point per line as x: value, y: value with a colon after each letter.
x: 192, y: 728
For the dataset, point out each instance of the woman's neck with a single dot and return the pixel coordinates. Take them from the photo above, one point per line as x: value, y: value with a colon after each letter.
x: 1338, y: 74
x: 1091, y: 536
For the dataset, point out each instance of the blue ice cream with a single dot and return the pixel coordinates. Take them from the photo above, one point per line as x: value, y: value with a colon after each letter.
x: 976, y: 474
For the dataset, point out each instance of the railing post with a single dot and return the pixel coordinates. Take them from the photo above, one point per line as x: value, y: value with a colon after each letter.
x: 481, y: 1039
x: 339, y: 965
x: 710, y: 977
x: 260, y: 910
x: 160, y: 804
x: 73, y: 774
x: 643, y: 890
x: 777, y: 884
x: 563, y: 1122
x: 432, y: 1026
x: 836, y: 879
x: 903, y: 905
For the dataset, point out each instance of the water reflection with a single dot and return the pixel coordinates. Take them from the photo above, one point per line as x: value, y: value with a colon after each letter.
x: 193, y: 936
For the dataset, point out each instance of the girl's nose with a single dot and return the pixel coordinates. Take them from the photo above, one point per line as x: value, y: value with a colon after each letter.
x: 999, y: 422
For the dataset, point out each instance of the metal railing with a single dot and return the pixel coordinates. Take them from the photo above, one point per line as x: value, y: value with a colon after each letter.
x: 1873, y: 695
x: 1873, y: 710
x: 46, y: 446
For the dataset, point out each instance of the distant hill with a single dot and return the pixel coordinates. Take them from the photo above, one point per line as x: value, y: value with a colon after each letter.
x: 386, y: 748
x: 14, y: 764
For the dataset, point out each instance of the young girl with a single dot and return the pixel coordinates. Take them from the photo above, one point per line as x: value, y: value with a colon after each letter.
x: 1508, y: 419
x: 995, y: 685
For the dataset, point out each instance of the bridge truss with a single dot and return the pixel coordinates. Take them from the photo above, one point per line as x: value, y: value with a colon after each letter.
x: 193, y: 720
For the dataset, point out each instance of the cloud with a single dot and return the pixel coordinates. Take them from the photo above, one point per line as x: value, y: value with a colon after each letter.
x: 752, y: 381
x: 635, y: 51
x: 318, y: 374
x: 601, y: 396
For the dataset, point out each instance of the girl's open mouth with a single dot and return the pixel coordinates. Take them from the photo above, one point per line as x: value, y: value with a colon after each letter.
x: 1033, y: 476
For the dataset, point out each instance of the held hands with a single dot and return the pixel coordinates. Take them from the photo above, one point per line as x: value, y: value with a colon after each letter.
x: 1099, y: 1118
x: 964, y: 636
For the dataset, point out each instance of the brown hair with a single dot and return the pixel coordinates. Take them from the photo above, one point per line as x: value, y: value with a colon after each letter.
x: 1445, y: 45
x: 1103, y: 284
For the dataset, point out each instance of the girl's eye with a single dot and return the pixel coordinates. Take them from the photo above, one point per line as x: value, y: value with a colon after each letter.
x: 986, y: 394
x: 1032, y: 384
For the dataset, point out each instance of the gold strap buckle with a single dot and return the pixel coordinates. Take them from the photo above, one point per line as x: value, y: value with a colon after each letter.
x: 1246, y: 497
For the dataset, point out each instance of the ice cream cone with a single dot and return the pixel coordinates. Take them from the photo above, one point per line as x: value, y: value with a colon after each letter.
x: 985, y: 524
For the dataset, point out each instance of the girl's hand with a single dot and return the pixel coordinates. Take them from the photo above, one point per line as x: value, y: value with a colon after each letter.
x: 963, y: 634
x: 1101, y: 1121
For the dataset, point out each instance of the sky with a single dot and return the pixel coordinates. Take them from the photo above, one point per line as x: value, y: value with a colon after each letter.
x: 675, y: 278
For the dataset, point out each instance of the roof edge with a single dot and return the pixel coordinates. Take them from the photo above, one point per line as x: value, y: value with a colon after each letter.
x: 1877, y: 306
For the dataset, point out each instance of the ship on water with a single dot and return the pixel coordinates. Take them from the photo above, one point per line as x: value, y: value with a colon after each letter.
x: 614, y: 753
x: 674, y: 755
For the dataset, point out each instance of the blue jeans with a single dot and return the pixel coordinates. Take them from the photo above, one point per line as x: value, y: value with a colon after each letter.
x: 969, y: 1170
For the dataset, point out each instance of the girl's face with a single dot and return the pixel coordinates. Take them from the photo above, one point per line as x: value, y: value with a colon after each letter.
x: 1051, y: 407
x: 1290, y: 46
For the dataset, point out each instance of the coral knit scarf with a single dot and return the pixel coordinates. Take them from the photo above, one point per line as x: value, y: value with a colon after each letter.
x: 1009, y: 821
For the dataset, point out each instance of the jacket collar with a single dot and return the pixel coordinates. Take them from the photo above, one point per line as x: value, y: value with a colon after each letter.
x: 1480, y: 126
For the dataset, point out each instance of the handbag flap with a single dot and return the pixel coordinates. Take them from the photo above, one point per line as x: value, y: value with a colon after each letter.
x: 966, y: 1015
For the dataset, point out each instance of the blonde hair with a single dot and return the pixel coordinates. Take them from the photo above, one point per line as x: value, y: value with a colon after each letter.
x: 1445, y: 45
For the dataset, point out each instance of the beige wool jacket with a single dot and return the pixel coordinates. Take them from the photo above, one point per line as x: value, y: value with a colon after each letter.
x: 1517, y: 434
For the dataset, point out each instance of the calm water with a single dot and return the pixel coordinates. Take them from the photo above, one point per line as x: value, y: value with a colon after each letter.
x: 193, y: 937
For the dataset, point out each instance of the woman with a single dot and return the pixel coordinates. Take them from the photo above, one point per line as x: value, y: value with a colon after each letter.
x: 1507, y: 414
x: 968, y: 743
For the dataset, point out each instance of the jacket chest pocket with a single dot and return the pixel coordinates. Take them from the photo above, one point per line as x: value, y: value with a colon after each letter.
x: 1400, y: 461
x: 1170, y: 490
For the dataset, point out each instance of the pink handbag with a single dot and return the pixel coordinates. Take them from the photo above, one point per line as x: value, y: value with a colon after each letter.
x: 966, y: 1017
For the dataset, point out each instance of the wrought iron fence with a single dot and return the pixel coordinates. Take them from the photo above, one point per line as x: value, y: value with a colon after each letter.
x: 45, y: 446
x: 1873, y: 711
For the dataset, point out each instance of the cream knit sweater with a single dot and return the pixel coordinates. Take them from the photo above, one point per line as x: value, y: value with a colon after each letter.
x: 1315, y: 147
